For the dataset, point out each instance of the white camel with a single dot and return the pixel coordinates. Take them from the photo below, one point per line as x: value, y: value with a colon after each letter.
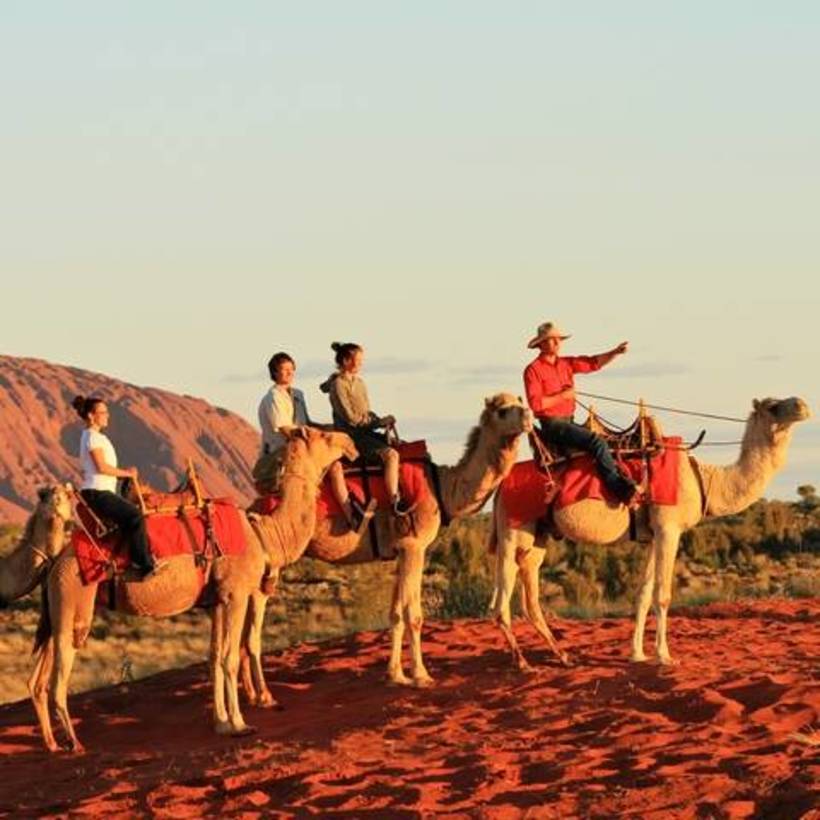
x: 704, y: 490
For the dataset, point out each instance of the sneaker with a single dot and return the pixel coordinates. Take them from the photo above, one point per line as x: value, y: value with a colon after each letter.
x: 625, y: 489
x: 401, y: 508
x: 145, y: 573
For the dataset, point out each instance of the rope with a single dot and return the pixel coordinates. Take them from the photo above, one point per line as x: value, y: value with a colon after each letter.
x: 606, y: 421
x: 660, y: 407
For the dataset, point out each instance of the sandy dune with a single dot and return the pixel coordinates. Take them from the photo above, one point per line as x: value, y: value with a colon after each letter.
x: 728, y: 733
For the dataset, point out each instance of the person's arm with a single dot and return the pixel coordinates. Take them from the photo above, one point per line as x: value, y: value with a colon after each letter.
x: 603, y: 359
x: 104, y: 468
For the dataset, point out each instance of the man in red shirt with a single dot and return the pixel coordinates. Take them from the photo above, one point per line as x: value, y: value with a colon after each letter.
x: 550, y: 388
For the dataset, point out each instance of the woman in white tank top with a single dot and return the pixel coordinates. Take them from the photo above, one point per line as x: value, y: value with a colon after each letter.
x: 99, y: 489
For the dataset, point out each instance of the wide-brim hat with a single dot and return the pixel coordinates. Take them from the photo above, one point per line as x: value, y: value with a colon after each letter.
x: 546, y: 331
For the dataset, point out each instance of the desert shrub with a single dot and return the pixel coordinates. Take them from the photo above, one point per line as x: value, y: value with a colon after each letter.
x: 803, y: 587
x: 9, y: 536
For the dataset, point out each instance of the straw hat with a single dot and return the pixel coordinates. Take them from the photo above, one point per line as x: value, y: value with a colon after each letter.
x: 547, y: 330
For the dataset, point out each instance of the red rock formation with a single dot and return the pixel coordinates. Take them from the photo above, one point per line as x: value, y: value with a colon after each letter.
x: 153, y: 429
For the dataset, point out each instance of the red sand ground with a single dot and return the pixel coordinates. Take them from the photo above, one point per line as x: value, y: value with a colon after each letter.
x: 711, y: 738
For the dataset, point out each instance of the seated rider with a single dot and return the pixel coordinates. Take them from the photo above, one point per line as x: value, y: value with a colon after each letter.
x: 99, y: 490
x: 550, y: 388
x: 282, y: 409
x: 352, y: 415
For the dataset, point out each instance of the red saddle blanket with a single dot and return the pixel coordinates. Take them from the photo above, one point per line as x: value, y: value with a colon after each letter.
x: 527, y: 494
x: 167, y: 536
x: 412, y: 484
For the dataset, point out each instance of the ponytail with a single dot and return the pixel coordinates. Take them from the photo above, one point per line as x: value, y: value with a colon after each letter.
x: 344, y: 350
x: 84, y: 405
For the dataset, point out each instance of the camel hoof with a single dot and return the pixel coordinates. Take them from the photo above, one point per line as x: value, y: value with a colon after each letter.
x: 638, y: 657
x: 53, y: 746
x: 525, y: 667
x: 668, y: 660
x: 398, y: 680
x: 565, y: 659
x: 242, y: 731
x: 267, y: 701
x: 74, y: 747
x: 423, y: 682
x: 223, y: 727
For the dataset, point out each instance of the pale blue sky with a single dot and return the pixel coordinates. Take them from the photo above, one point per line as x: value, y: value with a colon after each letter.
x: 188, y: 187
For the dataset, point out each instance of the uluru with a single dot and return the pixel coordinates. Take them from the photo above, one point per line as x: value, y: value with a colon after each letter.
x: 153, y: 429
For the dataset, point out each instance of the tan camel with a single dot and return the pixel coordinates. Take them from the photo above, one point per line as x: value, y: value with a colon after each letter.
x: 489, y: 456
x: 42, y: 541
x: 175, y: 589
x: 719, y: 491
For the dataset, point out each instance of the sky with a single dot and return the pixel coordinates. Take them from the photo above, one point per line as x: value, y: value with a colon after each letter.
x: 189, y: 187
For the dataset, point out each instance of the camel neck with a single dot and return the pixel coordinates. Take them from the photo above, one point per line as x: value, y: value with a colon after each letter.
x: 733, y: 488
x: 21, y: 571
x: 466, y: 486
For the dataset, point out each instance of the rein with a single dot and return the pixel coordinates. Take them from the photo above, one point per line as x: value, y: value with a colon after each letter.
x: 661, y: 407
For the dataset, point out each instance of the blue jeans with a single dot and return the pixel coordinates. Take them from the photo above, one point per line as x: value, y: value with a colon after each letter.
x: 562, y: 434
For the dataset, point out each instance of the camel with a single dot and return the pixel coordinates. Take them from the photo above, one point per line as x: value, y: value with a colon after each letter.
x: 176, y: 589
x: 704, y: 490
x: 490, y: 453
x: 42, y: 541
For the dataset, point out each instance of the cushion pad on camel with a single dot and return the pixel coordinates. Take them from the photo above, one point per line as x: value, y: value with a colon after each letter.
x: 168, y: 536
x: 527, y: 492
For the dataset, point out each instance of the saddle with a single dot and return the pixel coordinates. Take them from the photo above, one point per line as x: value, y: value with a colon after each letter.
x: 643, y: 438
x: 188, y: 496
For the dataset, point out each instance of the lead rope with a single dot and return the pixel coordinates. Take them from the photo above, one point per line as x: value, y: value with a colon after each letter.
x: 661, y: 407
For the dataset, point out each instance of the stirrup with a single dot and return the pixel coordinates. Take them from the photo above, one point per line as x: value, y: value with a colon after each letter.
x: 364, y: 514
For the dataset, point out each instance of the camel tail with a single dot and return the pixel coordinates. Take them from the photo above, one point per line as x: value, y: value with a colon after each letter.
x: 44, y: 630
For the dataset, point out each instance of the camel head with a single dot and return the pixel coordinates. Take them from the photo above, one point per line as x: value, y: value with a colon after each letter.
x: 506, y: 415
x: 775, y: 417
x: 54, y: 510
x: 55, y: 502
x: 321, y: 447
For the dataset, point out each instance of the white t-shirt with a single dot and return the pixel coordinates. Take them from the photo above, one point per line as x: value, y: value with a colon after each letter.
x: 92, y: 480
x: 275, y: 411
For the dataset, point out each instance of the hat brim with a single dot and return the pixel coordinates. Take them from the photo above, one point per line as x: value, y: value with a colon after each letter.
x: 536, y: 340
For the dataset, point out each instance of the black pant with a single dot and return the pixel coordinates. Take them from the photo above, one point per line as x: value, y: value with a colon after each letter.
x: 128, y: 518
x: 563, y: 434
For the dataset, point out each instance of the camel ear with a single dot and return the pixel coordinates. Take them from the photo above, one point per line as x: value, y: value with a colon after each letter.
x: 755, y: 404
x: 43, y: 493
x: 488, y: 402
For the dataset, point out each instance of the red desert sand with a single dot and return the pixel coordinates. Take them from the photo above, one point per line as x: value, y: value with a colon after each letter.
x: 732, y: 732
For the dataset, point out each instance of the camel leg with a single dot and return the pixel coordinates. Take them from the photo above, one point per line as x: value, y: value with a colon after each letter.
x: 506, y: 574
x: 221, y: 723
x: 245, y: 672
x: 71, y: 626
x: 413, y: 613
x: 255, y: 622
x: 38, y: 689
x: 63, y: 662
x: 664, y: 574
x: 530, y: 564
x: 643, y: 604
x: 395, y: 672
x: 235, y: 611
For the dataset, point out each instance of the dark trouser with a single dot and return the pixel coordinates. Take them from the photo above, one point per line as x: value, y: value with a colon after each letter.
x: 563, y: 434
x: 129, y: 519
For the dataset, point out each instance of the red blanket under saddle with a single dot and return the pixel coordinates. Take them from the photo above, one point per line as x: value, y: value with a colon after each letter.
x: 412, y: 483
x: 525, y: 492
x: 167, y: 536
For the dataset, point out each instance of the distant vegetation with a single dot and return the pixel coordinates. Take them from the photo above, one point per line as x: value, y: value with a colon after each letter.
x: 771, y: 549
